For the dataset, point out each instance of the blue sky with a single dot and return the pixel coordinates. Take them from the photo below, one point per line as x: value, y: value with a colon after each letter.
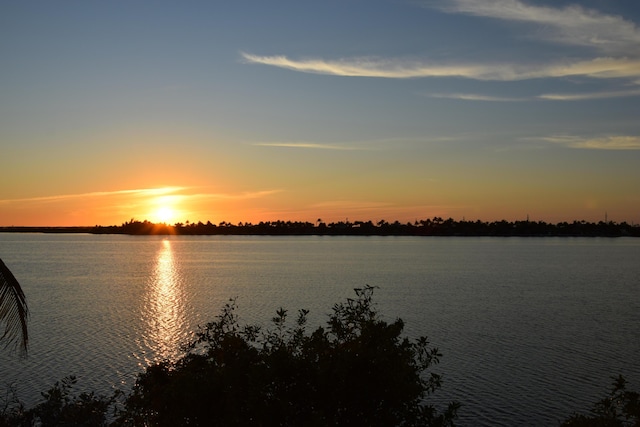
x: 246, y: 110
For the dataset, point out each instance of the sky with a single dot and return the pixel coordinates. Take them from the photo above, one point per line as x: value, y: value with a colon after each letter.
x: 250, y: 111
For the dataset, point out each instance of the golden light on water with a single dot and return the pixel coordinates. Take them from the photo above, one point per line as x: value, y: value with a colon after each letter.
x: 165, y: 311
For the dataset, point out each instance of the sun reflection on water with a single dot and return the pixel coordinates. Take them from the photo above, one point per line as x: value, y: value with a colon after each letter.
x: 165, y: 311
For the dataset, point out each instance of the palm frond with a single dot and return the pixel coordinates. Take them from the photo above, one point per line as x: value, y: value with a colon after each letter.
x: 13, y: 311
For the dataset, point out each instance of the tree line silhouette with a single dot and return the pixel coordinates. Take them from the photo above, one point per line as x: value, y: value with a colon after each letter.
x: 435, y: 226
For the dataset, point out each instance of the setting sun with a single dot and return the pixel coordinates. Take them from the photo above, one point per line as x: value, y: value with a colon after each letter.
x: 165, y: 214
x: 165, y: 209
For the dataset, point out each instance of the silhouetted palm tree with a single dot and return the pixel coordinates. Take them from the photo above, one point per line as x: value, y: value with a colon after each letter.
x: 13, y: 310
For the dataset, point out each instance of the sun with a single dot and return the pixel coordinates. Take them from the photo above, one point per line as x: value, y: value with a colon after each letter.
x: 165, y: 214
x: 165, y: 209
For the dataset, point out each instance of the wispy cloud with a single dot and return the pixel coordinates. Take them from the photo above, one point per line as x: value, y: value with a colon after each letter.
x: 614, y: 142
x: 544, y: 97
x: 475, y: 97
x: 572, y: 24
x: 379, y: 144
x: 602, y: 68
x: 404, y: 69
x: 311, y: 145
x: 369, y: 67
x: 135, y: 192
x: 591, y: 95
x: 144, y: 193
x: 615, y: 39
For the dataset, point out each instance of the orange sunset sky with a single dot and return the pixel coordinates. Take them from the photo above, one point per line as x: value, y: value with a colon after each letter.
x: 366, y: 110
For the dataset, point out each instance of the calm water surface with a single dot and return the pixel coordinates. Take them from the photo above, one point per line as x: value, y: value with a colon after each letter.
x: 531, y: 329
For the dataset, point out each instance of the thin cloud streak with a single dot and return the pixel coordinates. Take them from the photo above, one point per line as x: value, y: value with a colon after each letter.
x: 367, y: 67
x: 143, y: 193
x: 362, y: 145
x: 618, y: 142
x: 62, y: 197
x: 311, y: 145
x: 588, y: 96
x: 475, y: 97
x: 601, y: 68
x: 543, y: 97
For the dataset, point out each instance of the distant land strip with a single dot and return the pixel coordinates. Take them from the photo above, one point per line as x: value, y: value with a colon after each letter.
x: 429, y: 227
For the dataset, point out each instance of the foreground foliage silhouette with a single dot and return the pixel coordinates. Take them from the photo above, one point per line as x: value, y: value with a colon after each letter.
x: 60, y: 406
x: 621, y: 408
x: 358, y: 371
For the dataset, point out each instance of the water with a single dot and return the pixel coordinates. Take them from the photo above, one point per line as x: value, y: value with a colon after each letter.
x: 531, y: 329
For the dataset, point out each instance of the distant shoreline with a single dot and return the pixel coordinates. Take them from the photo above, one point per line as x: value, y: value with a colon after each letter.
x: 431, y: 227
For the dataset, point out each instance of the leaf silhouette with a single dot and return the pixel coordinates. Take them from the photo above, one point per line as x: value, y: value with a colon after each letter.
x: 13, y: 310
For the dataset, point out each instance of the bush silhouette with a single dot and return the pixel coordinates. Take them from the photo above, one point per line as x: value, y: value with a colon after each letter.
x: 60, y: 406
x: 621, y: 408
x: 357, y: 371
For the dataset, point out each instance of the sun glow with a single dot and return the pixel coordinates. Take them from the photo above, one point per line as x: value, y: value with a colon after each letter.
x: 165, y: 209
x: 165, y: 214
